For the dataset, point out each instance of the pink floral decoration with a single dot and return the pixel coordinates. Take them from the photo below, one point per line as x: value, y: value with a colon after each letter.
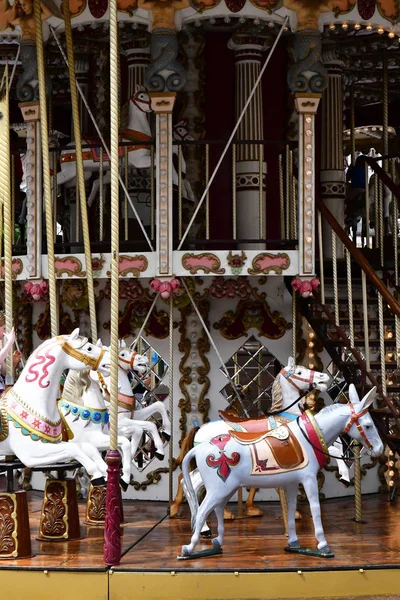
x: 37, y: 290
x: 305, y: 287
x: 165, y: 288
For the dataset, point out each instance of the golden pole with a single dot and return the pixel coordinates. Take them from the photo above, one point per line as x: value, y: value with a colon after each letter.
x: 5, y: 182
x: 46, y: 171
x: 80, y: 170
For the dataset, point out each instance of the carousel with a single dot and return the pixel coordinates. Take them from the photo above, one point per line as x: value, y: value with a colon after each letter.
x: 199, y: 299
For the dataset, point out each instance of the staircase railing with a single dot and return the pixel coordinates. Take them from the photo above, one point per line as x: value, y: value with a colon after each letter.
x: 350, y: 294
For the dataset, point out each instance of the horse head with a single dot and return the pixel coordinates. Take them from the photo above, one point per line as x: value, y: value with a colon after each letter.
x: 181, y: 133
x: 81, y: 353
x: 360, y: 425
x: 141, y: 100
x: 129, y: 360
x: 303, y: 379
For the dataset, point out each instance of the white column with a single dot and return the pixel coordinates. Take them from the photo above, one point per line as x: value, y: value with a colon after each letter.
x: 163, y: 103
x: 248, y: 57
x: 332, y: 174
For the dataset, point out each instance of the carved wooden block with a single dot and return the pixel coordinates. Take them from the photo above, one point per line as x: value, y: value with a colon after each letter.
x: 15, y: 537
x: 59, y: 520
x: 96, y: 506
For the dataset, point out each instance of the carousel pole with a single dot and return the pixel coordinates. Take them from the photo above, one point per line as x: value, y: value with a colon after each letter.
x: 5, y: 190
x: 46, y: 172
x: 112, y: 541
x: 80, y: 170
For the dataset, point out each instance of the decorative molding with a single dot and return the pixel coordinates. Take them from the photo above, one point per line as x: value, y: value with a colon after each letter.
x: 206, y: 262
x: 17, y: 267
x: 230, y: 288
x: 69, y: 265
x: 265, y: 262
x: 131, y: 265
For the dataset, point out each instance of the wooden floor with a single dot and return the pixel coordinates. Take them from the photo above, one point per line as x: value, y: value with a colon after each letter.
x: 366, y: 555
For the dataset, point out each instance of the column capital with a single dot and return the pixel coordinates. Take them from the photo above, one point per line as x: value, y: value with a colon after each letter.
x: 162, y: 102
x: 30, y: 111
x: 247, y: 46
x: 332, y: 61
x: 307, y: 103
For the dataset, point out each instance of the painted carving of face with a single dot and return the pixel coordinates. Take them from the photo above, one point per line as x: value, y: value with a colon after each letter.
x: 26, y: 6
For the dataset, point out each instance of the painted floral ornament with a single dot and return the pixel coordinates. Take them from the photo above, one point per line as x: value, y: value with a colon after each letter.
x: 165, y: 288
x: 305, y: 287
x: 37, y: 290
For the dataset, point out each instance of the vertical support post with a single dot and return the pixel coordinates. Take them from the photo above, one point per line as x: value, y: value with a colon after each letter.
x: 112, y: 540
x: 306, y: 106
x: 34, y: 196
x: 162, y: 104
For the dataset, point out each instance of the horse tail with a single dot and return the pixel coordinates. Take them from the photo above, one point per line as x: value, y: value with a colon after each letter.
x: 187, y: 444
x: 189, y: 489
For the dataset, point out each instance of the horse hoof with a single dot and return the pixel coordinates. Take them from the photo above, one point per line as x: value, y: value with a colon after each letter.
x: 123, y: 485
x: 325, y: 549
x: 295, y: 544
x: 253, y: 511
x: 160, y: 455
x: 98, y: 481
x: 344, y: 482
x: 216, y: 544
x: 228, y: 515
x: 206, y: 534
x: 166, y: 436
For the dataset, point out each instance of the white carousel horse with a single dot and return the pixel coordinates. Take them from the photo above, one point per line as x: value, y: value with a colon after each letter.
x: 139, y: 156
x: 86, y: 416
x: 229, y: 460
x: 131, y: 421
x: 29, y: 414
x: 290, y: 382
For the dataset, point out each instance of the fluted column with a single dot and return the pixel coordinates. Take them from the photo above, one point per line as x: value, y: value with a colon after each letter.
x: 138, y: 58
x: 82, y: 77
x: 332, y: 174
x: 248, y: 57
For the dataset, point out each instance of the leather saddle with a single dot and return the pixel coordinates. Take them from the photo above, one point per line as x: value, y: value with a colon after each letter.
x: 280, y: 445
x: 258, y: 425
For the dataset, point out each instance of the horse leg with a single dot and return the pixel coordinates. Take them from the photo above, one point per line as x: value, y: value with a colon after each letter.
x: 291, y: 500
x: 311, y: 489
x: 125, y: 447
x: 251, y: 510
x: 38, y: 455
x: 218, y: 541
x: 148, y: 411
x: 176, y: 504
x: 91, y: 449
x: 210, y: 502
x: 336, y: 451
x: 151, y: 429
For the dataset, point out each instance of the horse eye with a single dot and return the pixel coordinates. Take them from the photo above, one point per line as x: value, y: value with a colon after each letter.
x: 89, y: 348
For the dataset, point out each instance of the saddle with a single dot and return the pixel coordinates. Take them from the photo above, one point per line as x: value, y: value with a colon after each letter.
x: 272, y: 451
x: 258, y: 425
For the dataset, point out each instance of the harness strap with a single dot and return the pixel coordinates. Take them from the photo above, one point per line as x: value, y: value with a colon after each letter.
x: 354, y: 417
x: 128, y: 362
x: 289, y: 376
x: 315, y: 438
x: 90, y: 361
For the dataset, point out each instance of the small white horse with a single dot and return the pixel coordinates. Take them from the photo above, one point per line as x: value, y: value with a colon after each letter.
x: 139, y: 155
x: 228, y: 461
x: 86, y: 416
x: 131, y: 422
x: 31, y: 424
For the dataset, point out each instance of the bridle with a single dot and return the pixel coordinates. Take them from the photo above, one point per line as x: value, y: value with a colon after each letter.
x: 128, y: 362
x: 289, y: 376
x: 137, y: 103
x: 354, y: 420
x: 90, y: 361
x: 184, y: 137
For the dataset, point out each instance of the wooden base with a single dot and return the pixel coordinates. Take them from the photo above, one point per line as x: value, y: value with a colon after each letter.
x: 59, y: 520
x: 96, y: 506
x: 15, y: 536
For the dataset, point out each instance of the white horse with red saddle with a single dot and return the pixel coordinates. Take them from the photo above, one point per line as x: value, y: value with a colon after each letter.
x: 284, y: 457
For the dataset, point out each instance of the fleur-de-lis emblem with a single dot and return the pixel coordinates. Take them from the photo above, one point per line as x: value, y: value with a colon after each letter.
x: 224, y: 462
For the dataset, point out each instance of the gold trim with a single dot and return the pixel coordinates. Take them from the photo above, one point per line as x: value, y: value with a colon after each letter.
x: 70, y: 434
x: 4, y: 424
x: 319, y: 434
x: 64, y: 501
x: 39, y: 434
x: 14, y: 534
x: 25, y: 405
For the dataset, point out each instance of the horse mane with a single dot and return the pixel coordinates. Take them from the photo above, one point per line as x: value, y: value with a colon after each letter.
x: 76, y: 383
x: 276, y: 396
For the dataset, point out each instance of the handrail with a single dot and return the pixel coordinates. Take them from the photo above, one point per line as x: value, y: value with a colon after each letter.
x: 386, y: 179
x: 359, y: 258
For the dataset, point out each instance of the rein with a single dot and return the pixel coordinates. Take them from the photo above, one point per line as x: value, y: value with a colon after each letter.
x: 128, y: 362
x: 137, y: 104
x: 91, y: 362
x: 289, y: 376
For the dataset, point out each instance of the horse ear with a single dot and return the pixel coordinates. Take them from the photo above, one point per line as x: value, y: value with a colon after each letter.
x: 353, y: 395
x: 98, y: 343
x: 291, y: 364
x: 368, y: 399
x: 137, y: 88
x: 75, y: 334
x: 123, y: 344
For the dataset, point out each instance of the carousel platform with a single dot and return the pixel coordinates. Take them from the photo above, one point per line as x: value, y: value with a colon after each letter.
x: 253, y: 565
